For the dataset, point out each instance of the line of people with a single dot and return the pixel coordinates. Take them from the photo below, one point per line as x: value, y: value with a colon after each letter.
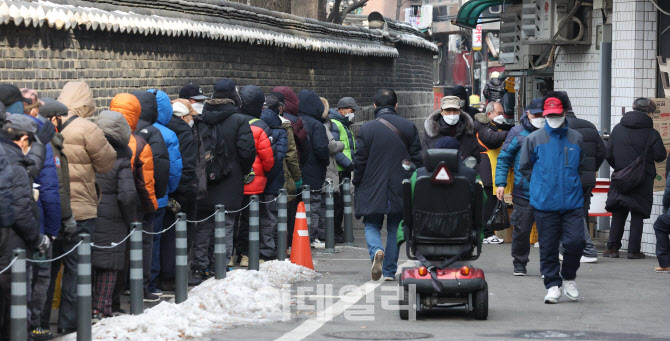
x: 65, y: 171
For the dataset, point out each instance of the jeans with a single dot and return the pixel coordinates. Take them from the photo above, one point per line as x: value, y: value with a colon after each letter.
x: 67, y: 314
x: 552, y: 228
x: 158, y: 218
x: 522, y: 219
x: 617, y: 229
x: 373, y: 227
x: 662, y: 230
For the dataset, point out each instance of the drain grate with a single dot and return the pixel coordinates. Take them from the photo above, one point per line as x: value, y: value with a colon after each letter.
x: 378, y: 335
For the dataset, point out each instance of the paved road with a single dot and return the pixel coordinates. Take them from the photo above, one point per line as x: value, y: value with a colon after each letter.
x: 621, y: 299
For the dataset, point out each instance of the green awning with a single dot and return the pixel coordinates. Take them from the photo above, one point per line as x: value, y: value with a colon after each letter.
x: 468, y: 14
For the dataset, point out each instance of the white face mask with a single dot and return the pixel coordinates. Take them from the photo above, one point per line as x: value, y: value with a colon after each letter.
x: 350, y: 116
x: 555, y: 121
x: 461, y: 103
x: 191, y: 123
x: 406, y: 167
x: 198, y: 106
x: 451, y: 119
x: 537, y: 122
x: 500, y: 119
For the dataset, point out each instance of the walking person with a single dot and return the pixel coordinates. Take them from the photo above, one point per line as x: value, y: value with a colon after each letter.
x: 383, y: 145
x: 552, y: 161
x: 633, y: 137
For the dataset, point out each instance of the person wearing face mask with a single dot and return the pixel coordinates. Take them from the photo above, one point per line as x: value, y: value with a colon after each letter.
x: 552, y: 159
x: 342, y: 118
x: 464, y: 101
x: 193, y: 93
x: 522, y: 217
x: 491, y: 131
x: 634, y: 135
x: 450, y: 121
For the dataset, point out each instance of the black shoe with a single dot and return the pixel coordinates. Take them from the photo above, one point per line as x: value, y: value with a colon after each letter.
x: 40, y: 334
x: 637, y: 255
x: 64, y: 331
x: 339, y: 240
x: 520, y: 270
x: 96, y: 316
x: 149, y: 297
x: 611, y: 253
x: 197, y: 277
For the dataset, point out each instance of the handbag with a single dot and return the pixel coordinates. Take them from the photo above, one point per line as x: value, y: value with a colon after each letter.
x: 499, y: 219
x: 631, y: 176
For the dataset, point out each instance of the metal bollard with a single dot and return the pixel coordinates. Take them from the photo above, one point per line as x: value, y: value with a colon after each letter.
x: 136, y: 271
x: 348, y: 214
x: 330, y: 221
x: 254, y: 234
x: 220, y: 243
x: 181, y: 262
x: 282, y: 226
x: 84, y: 300
x: 306, y: 198
x: 19, y: 315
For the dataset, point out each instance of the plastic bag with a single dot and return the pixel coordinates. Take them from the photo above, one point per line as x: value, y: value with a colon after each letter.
x: 499, y: 219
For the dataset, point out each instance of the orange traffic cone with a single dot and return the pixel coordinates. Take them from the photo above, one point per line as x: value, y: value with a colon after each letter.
x: 301, y: 253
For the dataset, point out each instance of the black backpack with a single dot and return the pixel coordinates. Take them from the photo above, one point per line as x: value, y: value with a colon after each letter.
x: 218, y: 164
x: 631, y: 176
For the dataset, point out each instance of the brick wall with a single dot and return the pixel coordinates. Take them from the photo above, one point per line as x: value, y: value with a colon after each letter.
x: 45, y: 59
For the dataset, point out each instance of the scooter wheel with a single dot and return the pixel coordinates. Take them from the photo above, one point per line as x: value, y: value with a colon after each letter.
x: 481, y: 303
x: 403, y: 305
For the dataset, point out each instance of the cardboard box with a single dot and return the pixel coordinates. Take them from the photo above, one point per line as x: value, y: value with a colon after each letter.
x: 661, y: 119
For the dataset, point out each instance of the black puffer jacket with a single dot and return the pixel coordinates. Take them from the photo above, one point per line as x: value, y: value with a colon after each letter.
x: 200, y: 167
x: 489, y: 136
x: 223, y: 120
x: 435, y: 128
x: 188, y: 147
x: 378, y: 172
x: 460, y: 92
x: 593, y: 148
x: 626, y: 143
x: 25, y: 231
x: 494, y: 90
x: 311, y: 112
x: 153, y: 136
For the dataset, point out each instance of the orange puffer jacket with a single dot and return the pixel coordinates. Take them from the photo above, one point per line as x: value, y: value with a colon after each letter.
x: 264, y: 156
x: 142, y: 161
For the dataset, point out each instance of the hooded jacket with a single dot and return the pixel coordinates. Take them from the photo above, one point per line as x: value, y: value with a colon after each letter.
x: 171, y: 142
x: 279, y: 136
x: 252, y: 98
x: 222, y: 120
x: 118, y: 201
x: 510, y: 156
x: 460, y: 92
x: 334, y: 147
x: 342, y: 132
x: 188, y: 147
x: 494, y: 90
x: 292, y: 171
x: 489, y: 137
x: 311, y: 111
x: 291, y: 104
x: 627, y: 141
x: 594, y: 147
x: 153, y: 136
x: 86, y: 149
x: 142, y: 161
x: 49, y: 199
x: 435, y: 128
x: 63, y: 172
x: 552, y: 161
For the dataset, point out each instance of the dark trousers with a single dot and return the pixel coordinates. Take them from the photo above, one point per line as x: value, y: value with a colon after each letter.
x: 147, y: 248
x: 338, y: 200
x: 203, y: 244
x: 555, y: 227
x: 158, y: 218
x: 168, y: 241
x: 522, y: 219
x: 103, y: 288
x: 40, y: 284
x: 662, y: 230
x: 292, y: 207
x: 56, y: 250
x: 617, y: 229
x: 487, y: 209
x: 267, y: 225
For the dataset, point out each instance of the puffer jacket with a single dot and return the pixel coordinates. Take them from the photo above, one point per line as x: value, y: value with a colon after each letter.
x: 49, y: 199
x: 153, y: 136
x: 594, y: 147
x: 291, y: 104
x: 63, y: 171
x: 171, y: 141
x: 494, y: 90
x: 279, y: 137
x: 342, y: 132
x: 291, y: 162
x: 201, y: 166
x: 252, y: 98
x: 118, y: 201
x: 509, y: 157
x: 435, y: 128
x: 489, y: 137
x: 142, y: 161
x: 334, y: 147
x: 311, y: 111
x: 86, y: 149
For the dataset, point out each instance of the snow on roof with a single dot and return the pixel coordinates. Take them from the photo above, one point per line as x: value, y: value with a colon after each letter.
x: 281, y: 31
x: 243, y: 297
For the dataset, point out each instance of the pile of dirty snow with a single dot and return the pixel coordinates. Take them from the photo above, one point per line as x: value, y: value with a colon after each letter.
x: 243, y: 297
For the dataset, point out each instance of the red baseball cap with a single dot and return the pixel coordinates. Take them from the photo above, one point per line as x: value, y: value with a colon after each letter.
x: 552, y: 105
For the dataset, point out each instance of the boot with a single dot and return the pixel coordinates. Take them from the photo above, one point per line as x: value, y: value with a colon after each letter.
x: 638, y: 255
x: 244, y: 263
x: 611, y: 253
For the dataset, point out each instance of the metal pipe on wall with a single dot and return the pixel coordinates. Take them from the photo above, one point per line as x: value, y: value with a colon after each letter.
x: 605, y: 104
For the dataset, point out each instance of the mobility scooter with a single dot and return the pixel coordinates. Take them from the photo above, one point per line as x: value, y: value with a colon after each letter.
x: 442, y: 225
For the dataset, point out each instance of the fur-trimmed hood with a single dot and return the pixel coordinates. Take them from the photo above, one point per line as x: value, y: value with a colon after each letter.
x: 483, y: 118
x: 432, y: 125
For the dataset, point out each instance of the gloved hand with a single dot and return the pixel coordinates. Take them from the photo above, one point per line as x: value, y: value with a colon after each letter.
x: 298, y: 185
x: 350, y: 168
x: 174, y: 205
x: 43, y: 243
x: 249, y: 178
x: 69, y: 226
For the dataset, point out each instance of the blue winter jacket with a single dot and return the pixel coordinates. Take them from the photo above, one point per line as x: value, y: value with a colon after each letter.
x: 280, y: 143
x: 49, y: 199
x: 164, y: 115
x: 552, y: 160
x: 341, y: 158
x: 509, y: 157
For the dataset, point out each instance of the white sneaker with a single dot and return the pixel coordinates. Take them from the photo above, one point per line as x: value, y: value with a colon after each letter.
x: 553, y: 295
x: 317, y: 244
x: 585, y: 259
x: 389, y: 279
x: 377, y: 261
x: 570, y: 290
x: 493, y: 240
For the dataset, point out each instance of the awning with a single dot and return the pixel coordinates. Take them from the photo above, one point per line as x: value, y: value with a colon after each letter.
x: 468, y: 14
